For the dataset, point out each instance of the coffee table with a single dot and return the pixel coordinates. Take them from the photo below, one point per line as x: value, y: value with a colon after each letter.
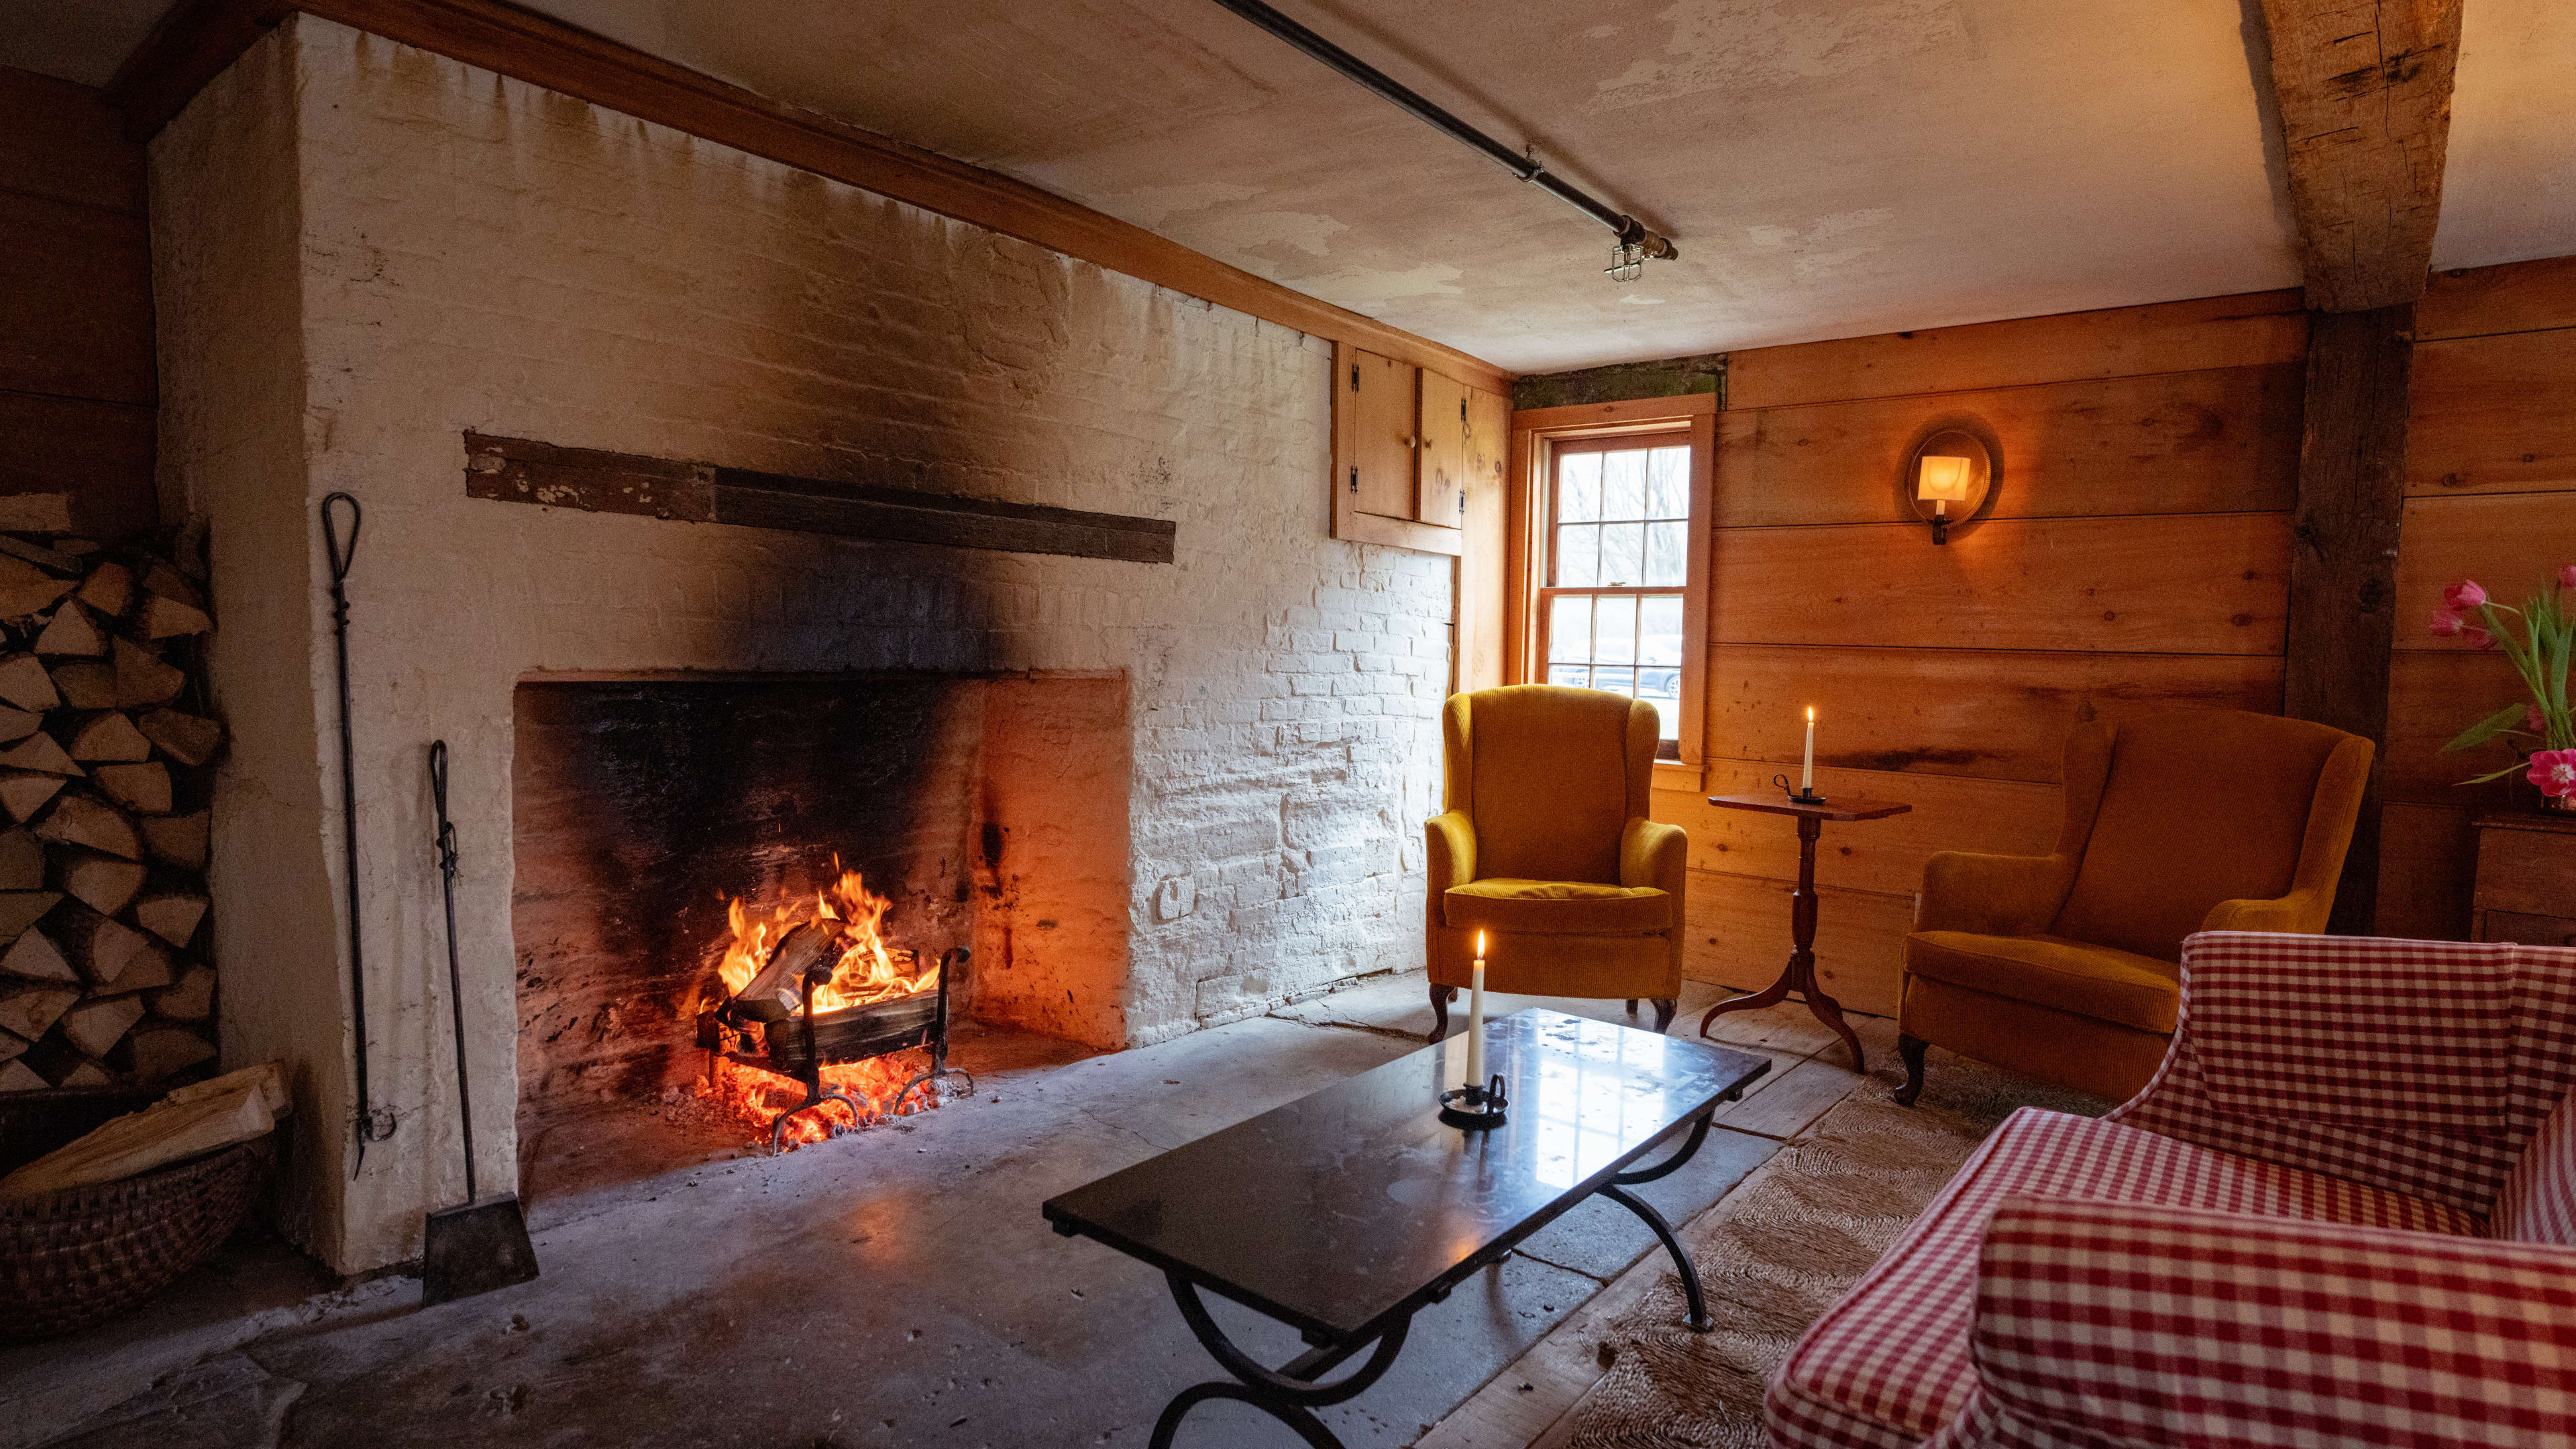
x: 1344, y: 1213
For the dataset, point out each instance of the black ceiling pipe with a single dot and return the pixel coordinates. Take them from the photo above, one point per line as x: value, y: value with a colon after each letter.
x: 1631, y: 232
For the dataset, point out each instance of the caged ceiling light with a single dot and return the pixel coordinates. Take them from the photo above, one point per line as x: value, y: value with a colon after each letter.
x: 1634, y: 245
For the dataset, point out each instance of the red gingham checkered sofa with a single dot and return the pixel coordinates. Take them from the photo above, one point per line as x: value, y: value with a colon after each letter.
x: 2343, y: 1213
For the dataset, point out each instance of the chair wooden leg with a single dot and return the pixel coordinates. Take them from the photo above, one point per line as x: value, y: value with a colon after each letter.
x: 1910, y: 1050
x: 1632, y: 1006
x: 1441, y: 996
x: 1665, y: 1006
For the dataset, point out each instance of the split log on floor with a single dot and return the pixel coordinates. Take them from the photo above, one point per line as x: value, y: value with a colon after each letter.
x: 19, y: 1077
x: 138, y: 1142
x: 24, y: 683
x: 156, y: 1050
x: 109, y: 736
x: 81, y: 820
x: 152, y: 966
x: 26, y: 589
x: 108, y: 589
x: 142, y: 678
x: 38, y: 752
x: 23, y: 794
x: 32, y: 1011
x: 22, y: 861
x: 143, y: 789
x: 268, y: 1077
x: 97, y: 1026
x: 17, y: 724
x: 183, y: 737
x: 173, y: 918
x: 86, y: 683
x: 192, y: 998
x: 101, y: 946
x: 35, y: 956
x: 168, y: 618
x: 36, y: 513
x: 177, y: 839
x: 104, y: 883
x: 71, y: 631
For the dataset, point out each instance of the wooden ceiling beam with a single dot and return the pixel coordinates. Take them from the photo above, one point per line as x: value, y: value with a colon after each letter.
x: 2365, y: 101
x: 200, y: 38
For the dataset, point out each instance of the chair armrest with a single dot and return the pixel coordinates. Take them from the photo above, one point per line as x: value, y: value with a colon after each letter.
x: 2300, y: 913
x: 1652, y: 853
x: 1993, y: 895
x: 2120, y: 1323
x: 1450, y: 850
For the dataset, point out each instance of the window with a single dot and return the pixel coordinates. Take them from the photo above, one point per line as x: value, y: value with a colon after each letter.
x: 1617, y: 560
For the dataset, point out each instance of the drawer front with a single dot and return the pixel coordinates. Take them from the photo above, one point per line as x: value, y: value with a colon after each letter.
x: 2527, y: 872
x: 2526, y: 930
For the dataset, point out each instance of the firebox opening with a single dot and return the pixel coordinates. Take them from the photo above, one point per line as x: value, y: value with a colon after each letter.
x: 700, y: 858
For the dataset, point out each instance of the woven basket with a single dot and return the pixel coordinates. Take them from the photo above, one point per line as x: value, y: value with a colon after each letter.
x: 73, y: 1258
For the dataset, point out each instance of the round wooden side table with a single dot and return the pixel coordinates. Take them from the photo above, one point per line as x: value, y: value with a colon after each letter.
x: 1800, y: 976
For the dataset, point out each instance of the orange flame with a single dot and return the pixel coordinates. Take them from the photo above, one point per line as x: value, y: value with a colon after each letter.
x: 869, y: 970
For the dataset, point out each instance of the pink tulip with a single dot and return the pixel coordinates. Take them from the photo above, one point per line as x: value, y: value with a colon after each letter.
x: 2478, y: 638
x: 2567, y: 576
x: 2531, y: 719
x: 2446, y: 624
x: 2554, y: 771
x: 2464, y: 595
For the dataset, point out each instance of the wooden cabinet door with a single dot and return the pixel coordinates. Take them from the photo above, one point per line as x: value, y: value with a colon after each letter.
x: 1443, y: 495
x: 1384, y: 394
x: 1483, y: 582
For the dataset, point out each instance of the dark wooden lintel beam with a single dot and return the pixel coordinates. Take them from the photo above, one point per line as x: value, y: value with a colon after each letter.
x: 517, y: 470
x: 2343, y: 560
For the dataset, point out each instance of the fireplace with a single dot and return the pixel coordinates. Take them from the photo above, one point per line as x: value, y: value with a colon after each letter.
x: 755, y: 905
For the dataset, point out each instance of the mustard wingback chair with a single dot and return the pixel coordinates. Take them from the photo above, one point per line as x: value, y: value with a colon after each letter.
x: 2063, y: 966
x: 1544, y: 845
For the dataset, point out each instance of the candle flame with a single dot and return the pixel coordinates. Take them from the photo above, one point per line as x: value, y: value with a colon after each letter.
x: 1811, y: 714
x: 1480, y: 945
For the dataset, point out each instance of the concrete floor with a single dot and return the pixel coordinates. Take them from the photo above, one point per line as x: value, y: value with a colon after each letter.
x: 896, y: 1287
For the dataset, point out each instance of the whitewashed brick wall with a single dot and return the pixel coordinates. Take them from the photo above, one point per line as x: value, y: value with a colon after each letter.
x: 478, y: 254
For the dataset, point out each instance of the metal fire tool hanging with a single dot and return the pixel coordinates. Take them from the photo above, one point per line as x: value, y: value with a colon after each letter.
x: 375, y: 1124
x: 483, y: 1243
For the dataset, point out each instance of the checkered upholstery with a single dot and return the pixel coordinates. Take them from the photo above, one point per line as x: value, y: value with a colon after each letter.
x: 2302, y: 1099
x: 2217, y: 1088
x: 1888, y: 1365
x: 2102, y: 1324
x: 2538, y: 1201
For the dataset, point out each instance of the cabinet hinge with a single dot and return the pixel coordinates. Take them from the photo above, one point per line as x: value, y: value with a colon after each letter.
x: 1462, y: 502
x: 1355, y: 377
x: 1355, y: 479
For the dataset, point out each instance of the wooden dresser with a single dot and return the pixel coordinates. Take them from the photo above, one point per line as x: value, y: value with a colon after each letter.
x: 2526, y: 887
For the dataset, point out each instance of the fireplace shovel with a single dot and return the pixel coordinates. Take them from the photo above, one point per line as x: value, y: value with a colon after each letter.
x: 483, y: 1244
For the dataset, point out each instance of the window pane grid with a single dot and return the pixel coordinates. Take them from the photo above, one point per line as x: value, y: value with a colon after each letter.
x: 1617, y: 533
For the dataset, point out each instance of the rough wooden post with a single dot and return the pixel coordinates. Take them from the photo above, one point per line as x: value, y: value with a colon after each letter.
x: 2343, y: 565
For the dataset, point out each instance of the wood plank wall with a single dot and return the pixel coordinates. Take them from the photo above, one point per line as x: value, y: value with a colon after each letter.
x: 2135, y: 560
x: 76, y: 361
x: 2491, y: 495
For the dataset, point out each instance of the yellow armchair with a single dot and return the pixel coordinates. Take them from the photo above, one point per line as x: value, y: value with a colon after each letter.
x: 1543, y: 844
x: 2064, y: 966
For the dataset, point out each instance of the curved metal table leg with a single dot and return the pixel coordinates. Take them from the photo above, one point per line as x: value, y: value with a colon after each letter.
x: 1699, y: 1320
x: 1287, y: 1393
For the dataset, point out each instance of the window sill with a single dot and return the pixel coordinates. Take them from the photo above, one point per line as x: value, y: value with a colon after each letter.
x: 1680, y: 775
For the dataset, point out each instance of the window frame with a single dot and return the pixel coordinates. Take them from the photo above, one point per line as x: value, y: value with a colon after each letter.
x: 1536, y: 436
x: 1543, y: 593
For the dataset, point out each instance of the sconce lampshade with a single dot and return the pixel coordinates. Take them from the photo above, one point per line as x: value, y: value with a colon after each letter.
x: 1943, y: 480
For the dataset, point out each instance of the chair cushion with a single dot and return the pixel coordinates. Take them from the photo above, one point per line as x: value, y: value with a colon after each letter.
x: 2201, y: 806
x: 1888, y: 1365
x: 2097, y: 981
x: 2538, y: 1201
x: 1556, y: 907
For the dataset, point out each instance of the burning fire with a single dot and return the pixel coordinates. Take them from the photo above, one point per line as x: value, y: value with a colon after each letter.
x: 869, y: 970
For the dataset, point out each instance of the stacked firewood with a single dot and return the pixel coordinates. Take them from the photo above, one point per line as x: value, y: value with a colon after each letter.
x: 105, y: 751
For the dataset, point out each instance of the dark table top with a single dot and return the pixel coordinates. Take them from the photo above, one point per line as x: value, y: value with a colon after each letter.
x: 1839, y: 807
x: 1347, y: 1209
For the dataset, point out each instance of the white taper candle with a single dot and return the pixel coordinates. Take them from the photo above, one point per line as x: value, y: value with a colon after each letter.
x: 1476, y: 1018
x: 1807, y: 772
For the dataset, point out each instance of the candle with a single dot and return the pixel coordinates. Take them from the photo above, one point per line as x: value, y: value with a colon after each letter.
x: 1807, y: 772
x: 1476, y: 1019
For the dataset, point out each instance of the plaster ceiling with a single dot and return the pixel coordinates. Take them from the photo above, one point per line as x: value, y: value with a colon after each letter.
x: 1829, y: 168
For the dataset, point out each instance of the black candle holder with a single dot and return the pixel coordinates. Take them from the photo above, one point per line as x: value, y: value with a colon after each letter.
x: 1804, y: 795
x: 1477, y: 1109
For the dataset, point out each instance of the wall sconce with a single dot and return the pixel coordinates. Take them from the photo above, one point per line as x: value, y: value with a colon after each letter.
x: 1947, y: 479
